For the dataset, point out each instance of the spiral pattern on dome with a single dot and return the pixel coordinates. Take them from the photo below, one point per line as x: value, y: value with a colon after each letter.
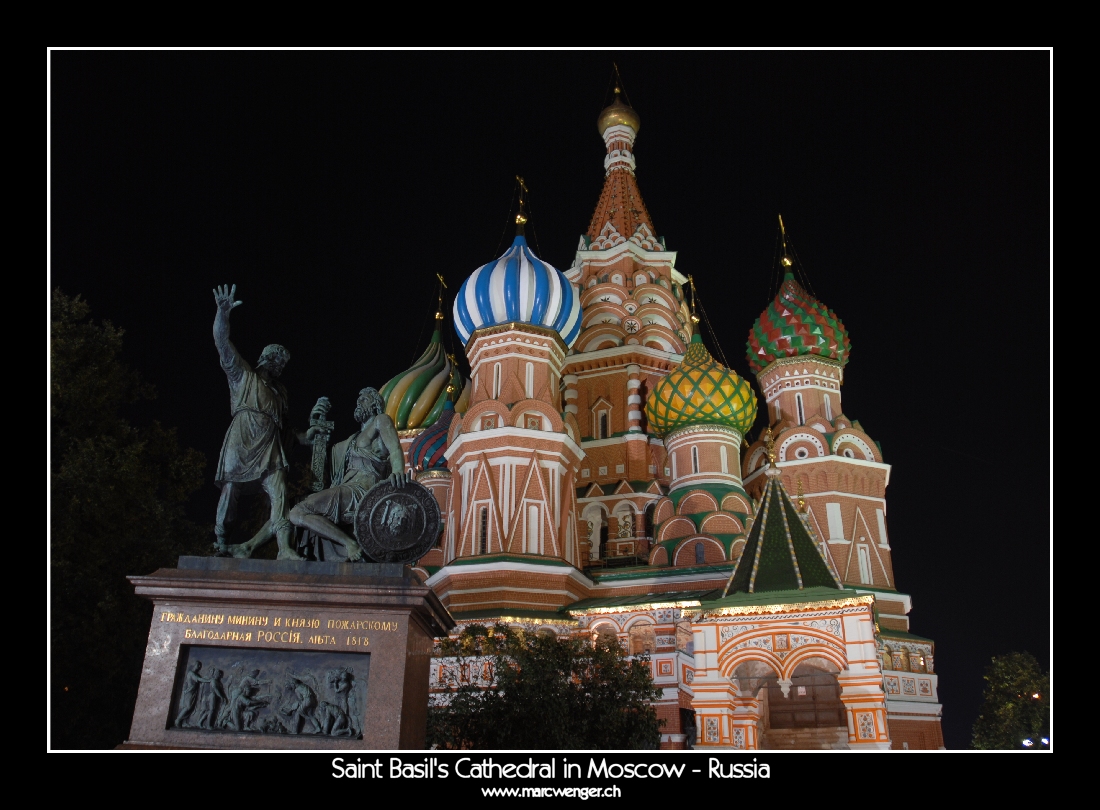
x: 426, y: 451
x: 518, y: 288
x: 414, y: 398
x: 795, y: 324
x: 700, y: 391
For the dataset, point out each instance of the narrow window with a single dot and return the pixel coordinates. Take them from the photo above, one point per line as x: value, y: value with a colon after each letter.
x: 673, y: 465
x: 725, y: 461
x: 496, y: 380
x: 864, y: 565
x: 777, y: 411
x: 483, y: 532
x: 603, y: 425
x: 532, y: 530
x: 695, y: 459
x: 649, y: 510
x: 836, y: 521
x: 530, y: 380
x: 801, y: 413
x: 700, y: 554
x: 828, y: 408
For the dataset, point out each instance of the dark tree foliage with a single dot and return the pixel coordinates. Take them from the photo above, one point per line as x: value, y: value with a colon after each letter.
x: 516, y: 689
x: 1016, y: 704
x: 117, y: 498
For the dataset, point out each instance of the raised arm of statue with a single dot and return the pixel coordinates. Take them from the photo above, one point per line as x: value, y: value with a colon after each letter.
x: 223, y: 297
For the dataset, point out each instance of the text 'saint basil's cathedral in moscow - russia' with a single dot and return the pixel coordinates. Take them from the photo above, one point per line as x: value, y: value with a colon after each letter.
x: 593, y: 479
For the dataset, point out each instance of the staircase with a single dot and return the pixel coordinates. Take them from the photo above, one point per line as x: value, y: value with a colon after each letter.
x: 801, y: 739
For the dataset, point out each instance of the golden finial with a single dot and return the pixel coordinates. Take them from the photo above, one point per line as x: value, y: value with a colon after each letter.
x: 769, y: 443
x: 691, y: 283
x: 439, y: 304
x: 801, y: 500
x: 786, y: 261
x: 521, y: 217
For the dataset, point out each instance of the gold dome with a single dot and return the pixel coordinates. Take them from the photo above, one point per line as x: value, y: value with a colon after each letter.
x: 618, y: 113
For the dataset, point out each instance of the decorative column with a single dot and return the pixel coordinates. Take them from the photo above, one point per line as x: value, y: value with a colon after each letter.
x: 570, y: 393
x: 865, y: 708
x: 634, y: 398
x: 743, y: 723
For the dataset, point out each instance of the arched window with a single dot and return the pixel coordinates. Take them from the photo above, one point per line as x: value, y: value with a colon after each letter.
x: 865, y: 565
x: 801, y: 413
x: 694, y: 459
x: 642, y: 639
x: 649, y: 512
x: 496, y: 380
x: 828, y: 408
x: 605, y: 635
x: 641, y: 278
x: 617, y: 279
x: 700, y: 554
x: 604, y: 432
x: 483, y: 531
x: 532, y: 529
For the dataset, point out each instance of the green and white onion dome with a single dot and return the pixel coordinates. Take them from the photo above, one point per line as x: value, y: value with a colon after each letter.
x: 415, y: 398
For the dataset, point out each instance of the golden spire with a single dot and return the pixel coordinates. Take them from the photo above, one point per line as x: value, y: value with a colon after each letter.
x: 691, y: 283
x: 786, y: 261
x: 769, y: 443
x: 521, y: 217
x: 439, y: 303
x: 801, y: 500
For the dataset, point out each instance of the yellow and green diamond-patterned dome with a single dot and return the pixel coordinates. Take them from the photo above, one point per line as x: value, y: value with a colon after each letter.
x: 701, y: 391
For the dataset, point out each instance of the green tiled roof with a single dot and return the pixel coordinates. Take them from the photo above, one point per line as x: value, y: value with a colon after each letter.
x: 655, y: 572
x: 795, y: 596
x: 901, y: 635
x: 780, y: 554
x: 499, y: 558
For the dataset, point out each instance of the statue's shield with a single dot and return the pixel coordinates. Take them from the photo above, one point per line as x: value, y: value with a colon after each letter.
x: 397, y: 524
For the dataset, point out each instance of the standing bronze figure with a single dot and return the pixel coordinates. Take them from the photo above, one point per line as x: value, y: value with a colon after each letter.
x: 253, y: 450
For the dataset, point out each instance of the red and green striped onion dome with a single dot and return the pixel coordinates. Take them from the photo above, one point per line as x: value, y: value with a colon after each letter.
x: 426, y: 451
x: 795, y: 324
x: 700, y: 391
x: 414, y: 398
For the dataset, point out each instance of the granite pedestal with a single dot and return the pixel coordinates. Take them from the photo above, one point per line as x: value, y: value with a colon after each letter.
x: 271, y: 654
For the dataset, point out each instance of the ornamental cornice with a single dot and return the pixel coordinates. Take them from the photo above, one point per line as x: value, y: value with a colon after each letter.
x: 423, y: 475
x: 780, y: 362
x: 597, y: 611
x: 515, y: 326
x: 704, y: 427
x: 794, y: 607
x: 562, y: 622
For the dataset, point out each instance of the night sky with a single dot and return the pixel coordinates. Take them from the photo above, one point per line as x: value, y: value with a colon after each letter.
x: 331, y: 187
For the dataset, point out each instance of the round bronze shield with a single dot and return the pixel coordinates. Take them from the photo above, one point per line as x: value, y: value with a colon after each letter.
x: 397, y: 524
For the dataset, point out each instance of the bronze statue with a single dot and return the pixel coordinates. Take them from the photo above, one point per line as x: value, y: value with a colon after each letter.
x: 359, y: 463
x: 253, y: 450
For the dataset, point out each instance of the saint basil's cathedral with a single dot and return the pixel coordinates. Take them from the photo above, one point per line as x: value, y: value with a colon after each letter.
x: 594, y: 478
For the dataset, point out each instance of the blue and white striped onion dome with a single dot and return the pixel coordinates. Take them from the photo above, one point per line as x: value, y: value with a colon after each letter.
x: 518, y: 288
